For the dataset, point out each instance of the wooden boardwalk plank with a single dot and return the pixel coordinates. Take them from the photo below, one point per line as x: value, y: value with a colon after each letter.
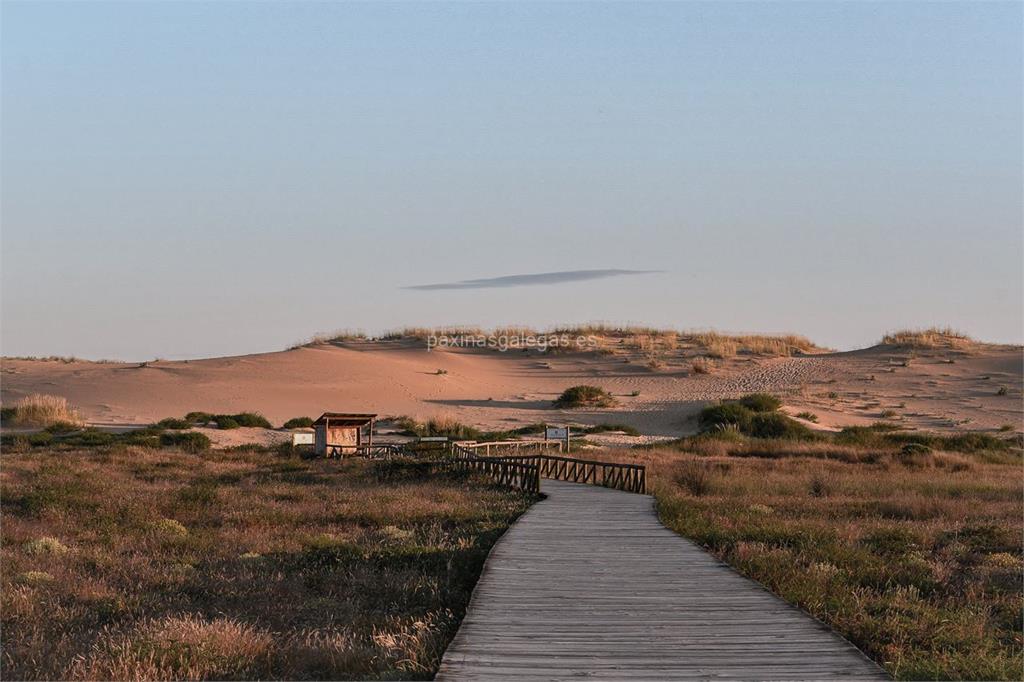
x: 589, y: 584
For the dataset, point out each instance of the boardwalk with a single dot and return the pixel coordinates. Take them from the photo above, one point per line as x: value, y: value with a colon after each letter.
x: 588, y: 584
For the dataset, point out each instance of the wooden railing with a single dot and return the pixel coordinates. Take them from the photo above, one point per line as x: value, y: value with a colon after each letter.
x: 515, y: 447
x: 522, y: 472
x: 628, y: 477
x: 375, y: 451
x: 513, y: 473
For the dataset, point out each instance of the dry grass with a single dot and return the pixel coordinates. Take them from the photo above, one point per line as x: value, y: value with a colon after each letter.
x: 43, y: 410
x: 132, y: 563
x: 933, y: 337
x: 339, y: 336
x: 719, y: 345
x: 653, y: 344
x: 702, y: 366
x: 916, y: 560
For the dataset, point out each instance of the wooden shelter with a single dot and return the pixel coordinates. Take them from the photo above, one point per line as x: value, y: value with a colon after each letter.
x: 342, y: 433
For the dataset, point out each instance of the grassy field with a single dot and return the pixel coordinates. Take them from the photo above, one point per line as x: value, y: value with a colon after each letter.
x: 915, y: 559
x: 137, y: 563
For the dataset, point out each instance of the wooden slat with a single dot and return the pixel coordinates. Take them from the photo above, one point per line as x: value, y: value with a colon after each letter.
x: 588, y: 584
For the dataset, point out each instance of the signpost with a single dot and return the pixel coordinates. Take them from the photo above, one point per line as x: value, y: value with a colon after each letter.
x: 558, y: 433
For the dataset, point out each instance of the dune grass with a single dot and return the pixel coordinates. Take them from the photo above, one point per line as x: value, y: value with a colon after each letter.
x: 916, y: 560
x: 444, y: 425
x: 653, y: 343
x: 931, y: 337
x: 719, y: 345
x: 298, y: 423
x: 135, y: 563
x: 584, y: 396
x: 41, y: 410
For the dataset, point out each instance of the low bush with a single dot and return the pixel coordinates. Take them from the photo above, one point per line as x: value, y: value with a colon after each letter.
x: 584, y: 396
x: 884, y: 435
x: 777, y: 425
x: 725, y: 415
x: 189, y: 441
x: 90, y: 438
x: 605, y: 428
x: 252, y: 420
x: 172, y: 423
x: 62, y: 427
x: 200, y: 418
x: 760, y: 402
x: 226, y: 421
x: 298, y: 423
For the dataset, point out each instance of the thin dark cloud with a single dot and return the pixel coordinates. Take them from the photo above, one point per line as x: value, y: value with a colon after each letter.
x: 530, y: 280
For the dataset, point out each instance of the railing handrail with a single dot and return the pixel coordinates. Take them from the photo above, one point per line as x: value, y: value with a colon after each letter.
x: 573, y: 459
x: 504, y: 468
x: 632, y: 477
x: 472, y: 445
x: 387, y: 449
x: 519, y: 475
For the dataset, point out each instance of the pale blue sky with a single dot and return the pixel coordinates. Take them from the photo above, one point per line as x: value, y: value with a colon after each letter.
x: 189, y: 179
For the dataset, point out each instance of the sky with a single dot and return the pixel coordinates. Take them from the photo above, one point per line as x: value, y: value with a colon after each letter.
x: 191, y: 179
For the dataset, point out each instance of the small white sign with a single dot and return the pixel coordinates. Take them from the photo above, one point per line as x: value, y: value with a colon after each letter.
x: 556, y: 432
x: 302, y: 439
x: 434, y: 439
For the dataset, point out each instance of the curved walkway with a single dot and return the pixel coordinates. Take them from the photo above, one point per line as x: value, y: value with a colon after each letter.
x: 589, y: 584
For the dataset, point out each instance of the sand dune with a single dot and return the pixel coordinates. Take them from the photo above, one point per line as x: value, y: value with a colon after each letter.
x: 933, y: 389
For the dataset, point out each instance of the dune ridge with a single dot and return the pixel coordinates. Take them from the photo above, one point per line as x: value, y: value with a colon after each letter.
x: 660, y: 379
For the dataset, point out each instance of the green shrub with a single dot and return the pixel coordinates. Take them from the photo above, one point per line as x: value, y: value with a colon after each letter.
x: 40, y: 439
x: 172, y: 423
x: 584, y: 396
x: 199, y: 417
x: 776, y: 425
x: 148, y: 437
x: 252, y: 419
x: 226, y: 421
x: 725, y: 415
x: 883, y: 435
x: 973, y: 441
x: 10, y: 442
x: 91, y: 438
x: 760, y: 402
x: 603, y: 428
x: 7, y: 414
x: 189, y: 441
x: 298, y: 423
x: 62, y: 427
